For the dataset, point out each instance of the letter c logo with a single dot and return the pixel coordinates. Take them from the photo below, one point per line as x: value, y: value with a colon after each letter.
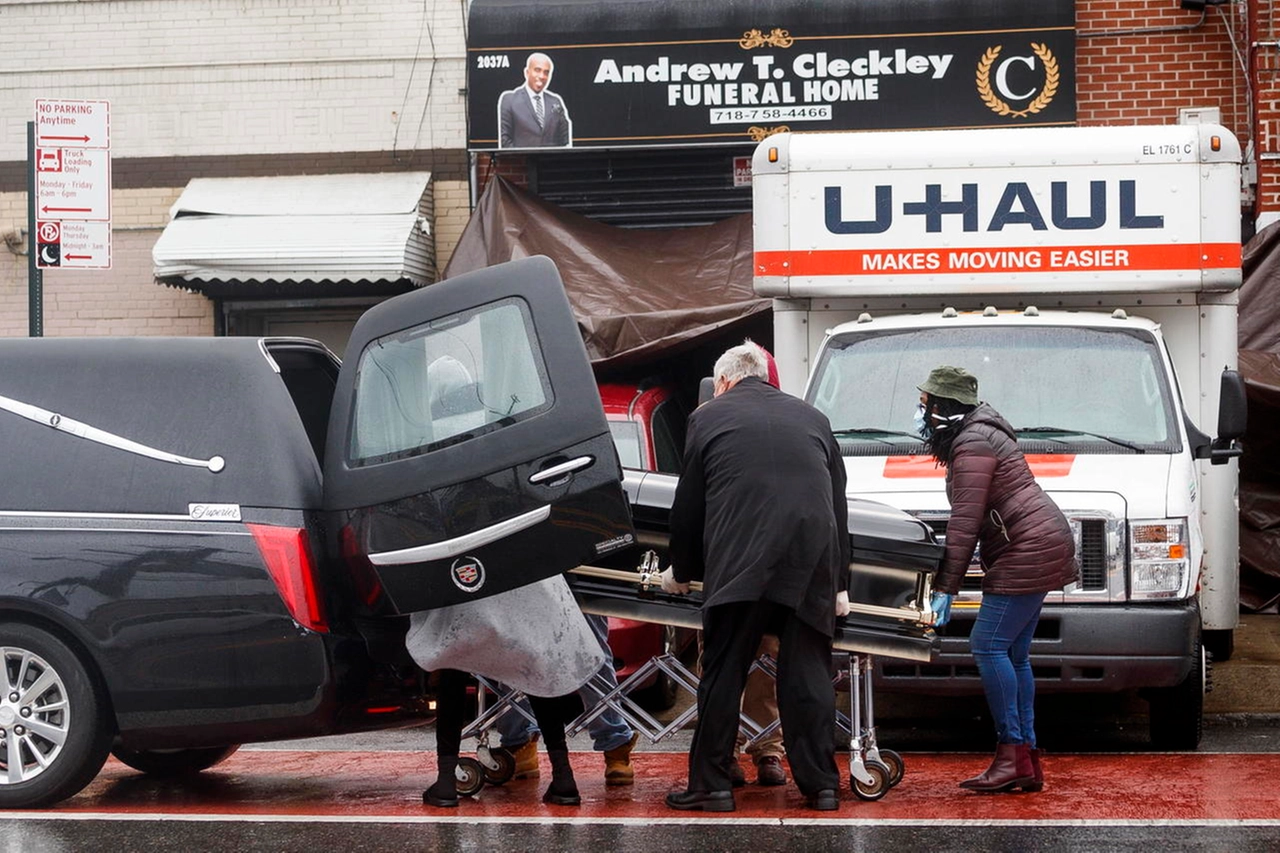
x: 1002, y: 73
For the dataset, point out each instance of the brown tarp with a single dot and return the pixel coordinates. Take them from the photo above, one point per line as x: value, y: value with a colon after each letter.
x: 1259, y: 339
x: 639, y: 295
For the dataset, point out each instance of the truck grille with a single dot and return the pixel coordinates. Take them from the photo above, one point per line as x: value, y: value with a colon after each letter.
x: 1091, y: 548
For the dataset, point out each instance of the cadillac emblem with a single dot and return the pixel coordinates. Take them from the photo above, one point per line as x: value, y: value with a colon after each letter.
x: 467, y: 574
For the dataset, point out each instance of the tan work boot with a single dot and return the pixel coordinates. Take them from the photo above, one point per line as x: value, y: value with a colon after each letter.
x: 617, y: 763
x: 526, y: 757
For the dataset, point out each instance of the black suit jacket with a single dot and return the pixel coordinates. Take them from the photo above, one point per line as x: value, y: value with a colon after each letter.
x: 760, y: 511
x: 518, y: 125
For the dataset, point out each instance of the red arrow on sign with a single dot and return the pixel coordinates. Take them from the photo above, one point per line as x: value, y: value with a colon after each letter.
x: 77, y: 257
x: 46, y: 209
x: 68, y: 138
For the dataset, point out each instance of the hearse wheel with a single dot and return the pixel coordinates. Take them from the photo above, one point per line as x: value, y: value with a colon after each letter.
x: 54, y: 725
x: 174, y: 762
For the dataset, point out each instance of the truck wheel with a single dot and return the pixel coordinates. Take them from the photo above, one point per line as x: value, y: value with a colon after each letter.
x: 1177, y: 713
x: 54, y: 725
x: 173, y: 762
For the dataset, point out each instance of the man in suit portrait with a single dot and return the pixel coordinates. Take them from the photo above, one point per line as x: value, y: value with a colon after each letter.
x: 530, y: 116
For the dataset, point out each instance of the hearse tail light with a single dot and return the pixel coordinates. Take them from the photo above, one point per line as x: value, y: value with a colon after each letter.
x: 287, y: 553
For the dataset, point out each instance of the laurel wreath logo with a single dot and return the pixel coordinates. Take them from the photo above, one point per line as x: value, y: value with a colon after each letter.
x: 1052, y: 79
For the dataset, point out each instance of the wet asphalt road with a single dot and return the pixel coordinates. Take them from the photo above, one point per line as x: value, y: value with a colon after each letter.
x: 397, y: 838
x: 1065, y: 725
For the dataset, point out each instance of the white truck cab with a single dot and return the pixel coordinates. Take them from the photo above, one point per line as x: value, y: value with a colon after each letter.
x: 1087, y: 277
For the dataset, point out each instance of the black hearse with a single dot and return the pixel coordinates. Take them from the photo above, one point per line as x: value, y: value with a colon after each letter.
x: 211, y: 541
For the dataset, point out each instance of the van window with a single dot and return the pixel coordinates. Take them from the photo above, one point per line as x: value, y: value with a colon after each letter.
x: 447, y: 382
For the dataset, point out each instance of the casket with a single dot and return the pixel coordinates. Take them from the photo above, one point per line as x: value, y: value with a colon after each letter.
x: 894, y: 557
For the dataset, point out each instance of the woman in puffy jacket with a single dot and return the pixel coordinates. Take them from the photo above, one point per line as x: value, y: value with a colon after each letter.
x: 1026, y: 548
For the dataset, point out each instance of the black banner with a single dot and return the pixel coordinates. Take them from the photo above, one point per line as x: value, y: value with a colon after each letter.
x: 674, y: 72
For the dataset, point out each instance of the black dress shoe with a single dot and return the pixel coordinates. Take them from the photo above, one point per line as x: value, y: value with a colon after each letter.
x: 440, y: 797
x: 707, y: 801
x: 826, y: 800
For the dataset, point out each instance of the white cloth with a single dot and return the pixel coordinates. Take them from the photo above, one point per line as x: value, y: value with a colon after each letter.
x: 533, y: 638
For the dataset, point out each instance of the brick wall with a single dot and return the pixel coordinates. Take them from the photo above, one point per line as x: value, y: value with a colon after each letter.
x: 1158, y: 60
x: 1266, y: 65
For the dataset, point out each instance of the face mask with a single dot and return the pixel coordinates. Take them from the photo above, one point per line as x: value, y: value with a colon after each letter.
x: 941, y: 423
x: 921, y: 427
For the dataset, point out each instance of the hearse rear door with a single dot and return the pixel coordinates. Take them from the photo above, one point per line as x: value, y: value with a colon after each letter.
x: 467, y: 451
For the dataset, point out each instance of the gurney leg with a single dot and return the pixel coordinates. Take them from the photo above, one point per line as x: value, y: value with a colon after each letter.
x: 868, y: 777
x: 890, y: 759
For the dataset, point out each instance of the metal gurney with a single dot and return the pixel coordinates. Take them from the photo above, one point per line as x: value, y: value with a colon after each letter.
x: 894, y: 557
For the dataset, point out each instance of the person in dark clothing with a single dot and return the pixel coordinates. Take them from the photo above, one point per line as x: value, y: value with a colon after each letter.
x: 552, y: 714
x: 1026, y: 549
x: 760, y: 516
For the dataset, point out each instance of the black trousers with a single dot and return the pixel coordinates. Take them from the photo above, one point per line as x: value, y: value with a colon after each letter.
x: 552, y: 714
x: 806, y: 697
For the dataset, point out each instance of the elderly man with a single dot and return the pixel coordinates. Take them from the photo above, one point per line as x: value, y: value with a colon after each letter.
x: 759, y: 515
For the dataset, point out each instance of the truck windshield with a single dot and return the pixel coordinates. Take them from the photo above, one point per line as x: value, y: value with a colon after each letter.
x: 1067, y: 389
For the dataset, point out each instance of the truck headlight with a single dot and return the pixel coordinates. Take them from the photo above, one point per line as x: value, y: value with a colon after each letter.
x: 1159, y: 559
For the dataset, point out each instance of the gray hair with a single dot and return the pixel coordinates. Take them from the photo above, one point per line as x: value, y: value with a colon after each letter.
x: 739, y: 362
x: 539, y: 55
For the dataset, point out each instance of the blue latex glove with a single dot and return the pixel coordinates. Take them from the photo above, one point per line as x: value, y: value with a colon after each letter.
x: 940, y: 603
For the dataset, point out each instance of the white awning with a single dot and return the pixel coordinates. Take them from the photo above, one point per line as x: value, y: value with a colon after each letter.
x: 296, y: 229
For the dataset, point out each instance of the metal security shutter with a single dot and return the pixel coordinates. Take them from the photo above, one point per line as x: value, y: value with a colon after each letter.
x: 661, y: 188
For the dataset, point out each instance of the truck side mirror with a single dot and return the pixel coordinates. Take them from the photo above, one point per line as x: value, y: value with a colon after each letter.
x: 1233, y: 410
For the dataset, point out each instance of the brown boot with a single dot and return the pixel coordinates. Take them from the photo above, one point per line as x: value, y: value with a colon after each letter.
x: 1037, y: 784
x: 769, y: 771
x: 1010, y: 769
x: 617, y: 763
x: 526, y: 757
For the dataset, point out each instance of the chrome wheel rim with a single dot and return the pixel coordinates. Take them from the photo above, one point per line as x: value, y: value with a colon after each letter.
x: 35, y: 715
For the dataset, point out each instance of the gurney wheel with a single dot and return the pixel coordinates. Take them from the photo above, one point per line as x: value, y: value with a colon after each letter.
x: 897, y: 767
x: 504, y: 767
x: 470, y: 778
x: 879, y: 785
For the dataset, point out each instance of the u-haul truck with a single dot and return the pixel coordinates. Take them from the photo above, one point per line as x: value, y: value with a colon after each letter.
x: 1088, y: 278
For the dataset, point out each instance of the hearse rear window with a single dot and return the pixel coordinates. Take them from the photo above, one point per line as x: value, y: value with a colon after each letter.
x: 446, y: 382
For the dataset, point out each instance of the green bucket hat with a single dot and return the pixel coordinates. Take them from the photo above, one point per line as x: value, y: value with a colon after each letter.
x: 954, y: 383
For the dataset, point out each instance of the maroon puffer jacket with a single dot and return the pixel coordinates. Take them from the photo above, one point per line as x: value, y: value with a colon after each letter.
x: 1026, y: 542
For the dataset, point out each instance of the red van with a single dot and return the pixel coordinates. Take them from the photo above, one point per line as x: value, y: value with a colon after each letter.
x: 647, y: 422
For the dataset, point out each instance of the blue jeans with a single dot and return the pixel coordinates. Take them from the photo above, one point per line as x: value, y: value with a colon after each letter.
x: 1001, y: 645
x: 608, y: 730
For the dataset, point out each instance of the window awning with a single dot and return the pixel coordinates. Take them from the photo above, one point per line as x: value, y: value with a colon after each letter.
x: 300, y: 234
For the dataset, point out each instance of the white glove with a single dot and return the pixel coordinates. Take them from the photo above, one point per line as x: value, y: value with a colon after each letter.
x: 842, y: 603
x: 671, y: 585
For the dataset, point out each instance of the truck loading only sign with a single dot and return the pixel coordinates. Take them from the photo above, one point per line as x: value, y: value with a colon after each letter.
x: 73, y: 184
x: 671, y: 72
